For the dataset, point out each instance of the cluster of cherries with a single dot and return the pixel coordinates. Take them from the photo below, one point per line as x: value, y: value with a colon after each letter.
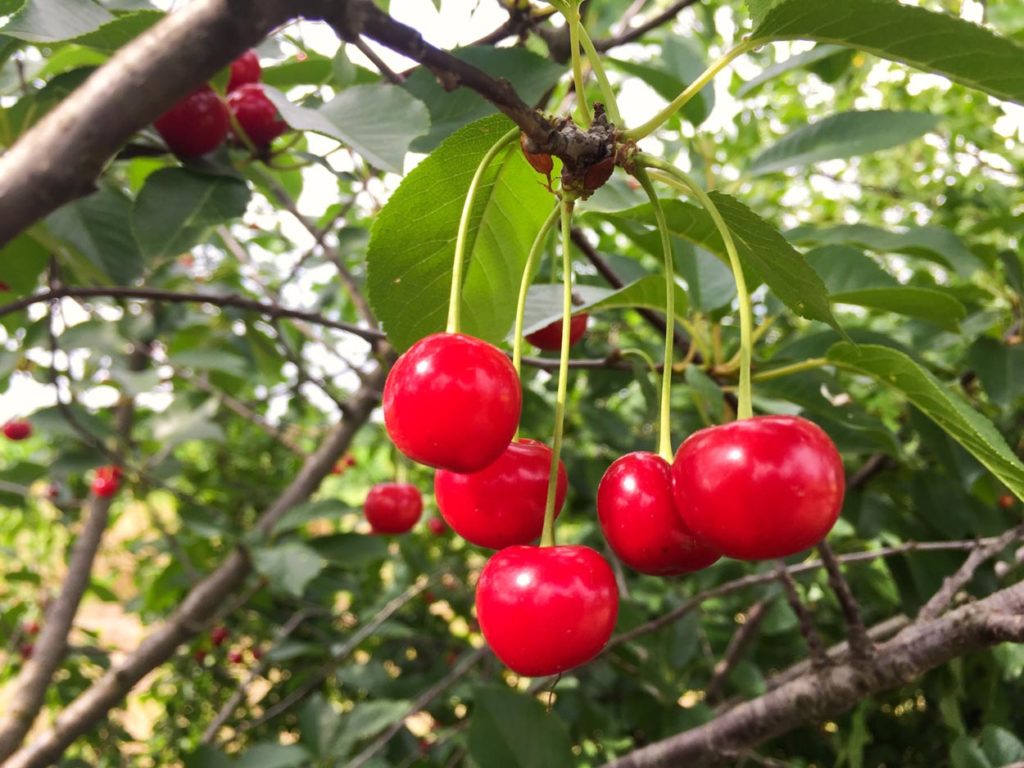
x: 200, y: 122
x: 106, y: 480
x: 754, y: 489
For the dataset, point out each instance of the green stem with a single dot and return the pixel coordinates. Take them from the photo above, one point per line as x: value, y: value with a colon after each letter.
x: 547, y: 537
x: 682, y: 181
x: 610, y: 105
x: 691, y: 90
x: 789, y: 370
x: 524, y: 286
x: 454, y: 301
x: 665, y: 419
x: 575, y: 25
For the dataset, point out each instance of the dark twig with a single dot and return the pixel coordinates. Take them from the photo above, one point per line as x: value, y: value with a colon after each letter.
x: 861, y: 646
x: 810, y: 633
x: 642, y: 29
x: 378, y: 62
x: 738, y: 644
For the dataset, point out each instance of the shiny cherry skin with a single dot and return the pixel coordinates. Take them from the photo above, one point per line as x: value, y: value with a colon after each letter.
x: 17, y: 429
x: 393, y: 507
x: 550, y: 336
x: 256, y: 114
x: 195, y: 125
x: 452, y: 401
x: 640, y: 522
x: 106, y: 481
x: 437, y: 526
x: 244, y: 70
x: 544, y: 610
x: 503, y: 503
x: 759, y: 488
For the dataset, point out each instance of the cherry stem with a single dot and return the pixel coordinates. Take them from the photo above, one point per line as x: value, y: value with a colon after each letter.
x: 524, y: 287
x: 665, y: 419
x: 691, y: 90
x: 789, y: 370
x: 571, y: 11
x: 455, y: 299
x: 682, y: 181
x: 547, y: 537
x: 594, y: 58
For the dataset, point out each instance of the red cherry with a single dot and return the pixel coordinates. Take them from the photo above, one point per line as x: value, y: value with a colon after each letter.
x: 1006, y: 501
x: 32, y: 628
x: 235, y: 657
x: 452, y: 401
x: 257, y: 653
x: 218, y: 635
x: 393, y: 507
x: 26, y: 651
x: 17, y: 429
x: 759, y: 488
x: 503, y: 503
x: 550, y: 336
x: 544, y: 610
x: 639, y: 518
x: 245, y: 69
x: 195, y: 125
x: 106, y: 481
x: 256, y: 114
x: 437, y: 526
x: 4, y: 287
x: 199, y: 655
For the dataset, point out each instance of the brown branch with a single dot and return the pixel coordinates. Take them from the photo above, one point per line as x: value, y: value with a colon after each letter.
x: 954, y: 583
x: 642, y: 29
x: 393, y: 77
x: 738, y: 644
x: 371, y: 335
x: 818, y: 695
x: 810, y: 633
x: 59, y: 159
x: 199, y: 606
x: 860, y: 644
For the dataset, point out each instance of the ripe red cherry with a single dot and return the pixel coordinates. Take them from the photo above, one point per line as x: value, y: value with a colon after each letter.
x: 106, y: 481
x: 503, y: 503
x: 218, y: 635
x: 759, y: 488
x: 452, y: 401
x: 437, y: 526
x: 550, y: 336
x: 245, y: 69
x: 17, y: 429
x: 235, y: 657
x: 393, y: 507
x: 639, y: 518
x: 256, y: 114
x: 195, y: 125
x: 544, y: 610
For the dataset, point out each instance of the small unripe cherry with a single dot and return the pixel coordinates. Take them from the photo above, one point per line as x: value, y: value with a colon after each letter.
x: 437, y: 526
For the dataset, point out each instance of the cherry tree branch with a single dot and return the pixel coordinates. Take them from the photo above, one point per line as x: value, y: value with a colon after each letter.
x: 635, y: 33
x: 738, y: 644
x: 200, y: 605
x: 815, y: 644
x: 860, y: 644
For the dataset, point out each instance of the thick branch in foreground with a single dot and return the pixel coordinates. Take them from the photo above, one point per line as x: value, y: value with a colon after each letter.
x: 199, y: 606
x: 817, y: 696
x: 59, y: 159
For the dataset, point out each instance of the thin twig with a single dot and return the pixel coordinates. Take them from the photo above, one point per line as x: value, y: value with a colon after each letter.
x: 378, y: 62
x: 738, y: 644
x: 810, y: 633
x: 642, y: 29
x: 860, y: 644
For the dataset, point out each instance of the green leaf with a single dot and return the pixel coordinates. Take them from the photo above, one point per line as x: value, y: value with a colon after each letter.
x: 289, y: 567
x: 325, y: 509
x: 180, y: 424
x: 1000, y: 368
x: 529, y: 74
x: 313, y: 70
x: 21, y: 262
x: 120, y: 30
x: 377, y: 121
x: 840, y: 136
x: 965, y: 753
x: 176, y: 206
x: 933, y: 243
x: 99, y: 227
x: 923, y: 303
x: 368, y: 719
x: 512, y: 730
x: 272, y: 755
x: 412, y: 243
x: 816, y: 54
x: 544, y: 303
x: 351, y: 551
x: 845, y: 268
x: 935, y: 42
x: 647, y: 292
x: 49, y: 21
x: 1000, y: 746
x: 968, y: 427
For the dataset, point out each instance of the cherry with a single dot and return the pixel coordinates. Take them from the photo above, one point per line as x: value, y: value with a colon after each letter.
x: 218, y: 635
x: 195, y: 125
x: 199, y: 655
x: 639, y: 518
x: 235, y: 657
x: 550, y: 336
x: 256, y: 114
x: 106, y: 481
x: 17, y: 429
x: 245, y: 69
x: 4, y: 287
x: 759, y: 488
x: 26, y: 651
x: 452, y: 401
x: 437, y: 526
x: 544, y: 610
x: 503, y: 503
x: 32, y: 628
x: 393, y: 507
x: 1006, y: 501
